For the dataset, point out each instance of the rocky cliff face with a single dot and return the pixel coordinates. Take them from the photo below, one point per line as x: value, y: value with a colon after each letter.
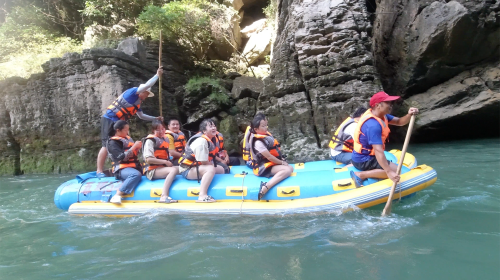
x: 51, y: 122
x: 329, y: 57
x: 322, y: 70
x: 443, y: 56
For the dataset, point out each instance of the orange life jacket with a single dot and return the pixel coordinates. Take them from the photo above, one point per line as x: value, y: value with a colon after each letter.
x: 342, y: 141
x: 246, y: 146
x: 220, y: 140
x: 179, y: 140
x: 188, y: 157
x: 385, y: 132
x: 132, y: 161
x: 259, y: 162
x: 161, y: 151
x: 124, y: 110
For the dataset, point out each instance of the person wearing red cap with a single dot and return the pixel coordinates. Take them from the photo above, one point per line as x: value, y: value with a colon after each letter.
x: 370, y: 137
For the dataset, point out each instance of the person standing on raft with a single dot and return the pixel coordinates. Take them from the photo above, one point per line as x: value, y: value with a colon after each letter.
x: 123, y: 108
x: 370, y: 136
x: 176, y: 138
x: 266, y: 156
x: 341, y: 143
x: 196, y: 163
x: 157, y: 158
x: 123, y: 154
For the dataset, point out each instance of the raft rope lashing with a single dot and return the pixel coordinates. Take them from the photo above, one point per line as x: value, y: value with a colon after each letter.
x: 244, y: 173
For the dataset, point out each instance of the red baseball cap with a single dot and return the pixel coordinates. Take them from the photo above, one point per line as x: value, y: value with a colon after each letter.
x: 381, y: 97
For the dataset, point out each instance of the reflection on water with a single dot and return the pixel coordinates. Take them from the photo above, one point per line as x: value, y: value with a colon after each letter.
x: 449, y: 225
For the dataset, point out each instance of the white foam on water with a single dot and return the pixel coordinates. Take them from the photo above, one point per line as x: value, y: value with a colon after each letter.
x: 461, y: 199
x: 161, y: 254
x: 419, y: 202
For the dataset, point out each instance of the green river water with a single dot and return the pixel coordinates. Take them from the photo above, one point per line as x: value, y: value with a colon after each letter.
x: 450, y: 230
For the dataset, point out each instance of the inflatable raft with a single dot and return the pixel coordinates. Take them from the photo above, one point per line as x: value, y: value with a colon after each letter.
x: 314, y: 186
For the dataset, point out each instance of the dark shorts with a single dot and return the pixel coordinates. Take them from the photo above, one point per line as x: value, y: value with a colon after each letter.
x: 368, y: 165
x: 107, y: 130
x: 343, y: 157
x: 234, y: 161
x: 267, y: 172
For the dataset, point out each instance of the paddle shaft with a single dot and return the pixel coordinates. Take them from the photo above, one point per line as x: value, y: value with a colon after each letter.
x: 159, y: 78
x: 387, y: 208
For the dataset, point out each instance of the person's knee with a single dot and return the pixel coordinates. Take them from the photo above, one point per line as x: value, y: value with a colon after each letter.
x: 209, y: 169
x: 289, y: 170
x: 136, y: 176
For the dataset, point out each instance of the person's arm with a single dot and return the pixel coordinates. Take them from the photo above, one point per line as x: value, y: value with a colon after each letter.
x: 405, y: 119
x: 226, y: 156
x: 200, y: 150
x: 272, y: 158
x: 171, y: 147
x: 151, y: 81
x: 261, y: 148
x: 145, y: 117
x: 382, y: 160
x: 115, y: 148
x: 149, y: 154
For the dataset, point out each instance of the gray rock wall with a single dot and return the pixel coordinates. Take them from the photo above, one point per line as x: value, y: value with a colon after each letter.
x: 51, y: 121
x: 442, y: 55
x: 322, y: 70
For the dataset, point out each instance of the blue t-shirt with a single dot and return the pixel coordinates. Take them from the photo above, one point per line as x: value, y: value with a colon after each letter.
x: 372, y: 135
x: 131, y: 96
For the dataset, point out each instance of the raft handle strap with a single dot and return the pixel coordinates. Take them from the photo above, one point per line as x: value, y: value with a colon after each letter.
x: 195, y: 193
x: 244, y: 173
x: 109, y: 184
x: 345, y: 185
x: 290, y: 192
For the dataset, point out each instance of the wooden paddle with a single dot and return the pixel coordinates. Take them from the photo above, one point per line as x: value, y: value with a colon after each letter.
x: 387, y: 208
x: 159, y: 78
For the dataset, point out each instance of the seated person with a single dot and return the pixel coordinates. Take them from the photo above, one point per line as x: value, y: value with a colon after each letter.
x: 123, y: 153
x: 341, y: 142
x: 223, y: 158
x: 246, y: 147
x: 158, y: 166
x: 370, y: 137
x: 266, y: 155
x: 176, y: 138
x: 197, y: 160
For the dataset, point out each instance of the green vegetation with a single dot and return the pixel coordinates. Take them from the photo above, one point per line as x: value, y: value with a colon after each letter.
x: 194, y: 24
x: 33, y: 31
x: 270, y: 12
x: 109, y: 12
x: 31, y: 34
x: 218, y: 94
x: 26, y: 58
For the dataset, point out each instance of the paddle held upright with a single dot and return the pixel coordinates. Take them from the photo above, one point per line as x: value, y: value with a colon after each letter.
x: 387, y: 208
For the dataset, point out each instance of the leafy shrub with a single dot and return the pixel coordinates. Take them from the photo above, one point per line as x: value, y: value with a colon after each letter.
x: 26, y: 48
x: 194, y: 24
x: 271, y: 11
x: 218, y: 94
x: 109, y: 12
